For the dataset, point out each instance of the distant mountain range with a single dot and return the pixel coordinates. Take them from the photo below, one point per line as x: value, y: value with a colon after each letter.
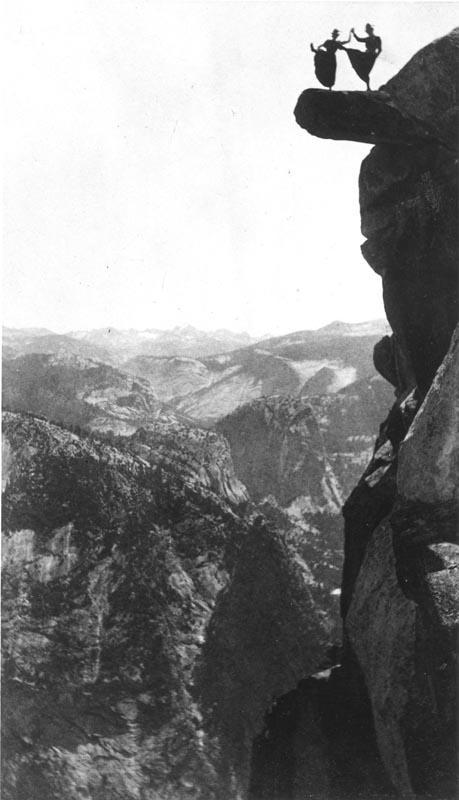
x: 303, y: 363
x: 204, y: 389
x: 114, y: 345
x: 117, y: 345
x: 20, y: 342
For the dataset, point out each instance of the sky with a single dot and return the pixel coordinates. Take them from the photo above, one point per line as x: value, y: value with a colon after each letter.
x: 155, y: 175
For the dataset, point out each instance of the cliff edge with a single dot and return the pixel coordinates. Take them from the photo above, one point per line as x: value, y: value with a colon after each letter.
x: 400, y: 589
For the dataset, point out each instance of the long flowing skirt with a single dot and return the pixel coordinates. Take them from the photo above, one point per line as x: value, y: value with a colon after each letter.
x: 325, y: 68
x: 362, y: 62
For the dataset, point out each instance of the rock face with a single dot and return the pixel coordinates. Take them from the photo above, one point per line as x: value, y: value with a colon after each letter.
x: 400, y: 582
x: 307, y: 452
x: 400, y: 587
x: 408, y: 195
x: 402, y: 608
x: 240, y: 678
x: 111, y: 570
x: 408, y: 201
x: 299, y: 458
x: 433, y: 439
x: 359, y: 117
x: 130, y: 572
x: 318, y: 744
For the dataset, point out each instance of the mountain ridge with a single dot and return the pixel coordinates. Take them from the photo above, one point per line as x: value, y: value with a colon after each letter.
x: 207, y: 388
x: 104, y: 337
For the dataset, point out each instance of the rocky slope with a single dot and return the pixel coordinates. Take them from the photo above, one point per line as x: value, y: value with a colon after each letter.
x: 173, y: 377
x: 77, y: 392
x: 301, y: 456
x: 301, y: 363
x: 24, y: 341
x: 129, y: 575
x: 400, y: 587
x: 307, y: 451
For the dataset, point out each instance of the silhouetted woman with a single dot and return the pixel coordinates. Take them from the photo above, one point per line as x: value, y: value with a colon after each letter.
x: 325, y: 59
x: 363, y: 60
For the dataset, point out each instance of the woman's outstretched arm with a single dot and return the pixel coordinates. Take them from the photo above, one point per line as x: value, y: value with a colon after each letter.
x: 359, y: 38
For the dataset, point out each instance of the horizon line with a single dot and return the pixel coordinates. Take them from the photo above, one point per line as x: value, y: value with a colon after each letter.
x: 205, y: 330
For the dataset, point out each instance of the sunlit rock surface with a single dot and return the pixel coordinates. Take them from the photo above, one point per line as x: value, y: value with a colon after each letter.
x: 400, y: 574
x: 433, y: 439
x: 400, y: 586
x: 307, y: 451
x: 409, y: 210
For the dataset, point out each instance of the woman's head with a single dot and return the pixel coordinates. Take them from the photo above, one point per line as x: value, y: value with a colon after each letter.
x: 335, y: 33
x: 369, y: 29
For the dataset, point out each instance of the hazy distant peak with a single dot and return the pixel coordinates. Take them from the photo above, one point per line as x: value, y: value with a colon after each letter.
x: 184, y: 329
x: 24, y: 332
x: 181, y: 340
x: 117, y: 346
x: 372, y: 327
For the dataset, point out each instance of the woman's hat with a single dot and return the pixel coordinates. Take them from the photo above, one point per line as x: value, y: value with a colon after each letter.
x: 335, y: 30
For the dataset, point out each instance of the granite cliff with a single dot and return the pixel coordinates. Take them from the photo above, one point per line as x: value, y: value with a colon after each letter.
x: 408, y: 199
x: 393, y: 693
x: 307, y: 452
x: 151, y: 614
x: 299, y: 457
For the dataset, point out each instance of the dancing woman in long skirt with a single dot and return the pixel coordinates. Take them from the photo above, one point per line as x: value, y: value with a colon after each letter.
x: 362, y: 61
x: 325, y: 59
